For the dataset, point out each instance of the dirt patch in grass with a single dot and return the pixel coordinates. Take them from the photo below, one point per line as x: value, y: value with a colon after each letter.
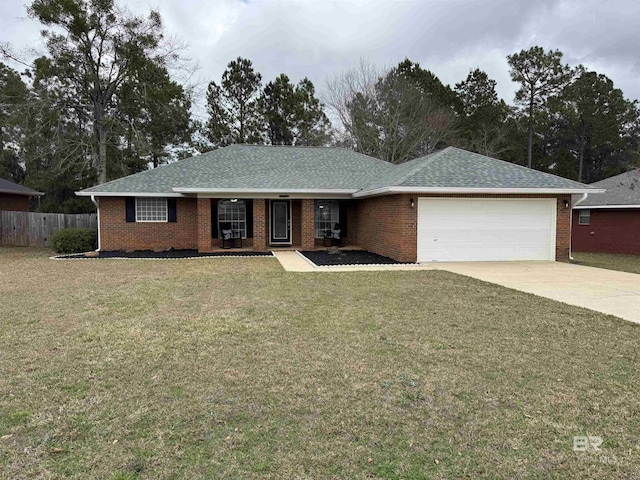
x: 233, y: 368
x: 168, y: 254
x: 610, y: 261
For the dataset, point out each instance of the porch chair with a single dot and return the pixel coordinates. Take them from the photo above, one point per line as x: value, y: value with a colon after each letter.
x: 333, y: 238
x: 227, y: 235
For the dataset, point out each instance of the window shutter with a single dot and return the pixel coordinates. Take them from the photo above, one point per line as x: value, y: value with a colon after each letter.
x: 172, y: 210
x: 249, y: 213
x: 343, y: 209
x: 130, y: 209
x: 214, y: 218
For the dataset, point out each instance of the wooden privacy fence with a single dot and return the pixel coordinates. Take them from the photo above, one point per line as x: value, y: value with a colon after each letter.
x: 30, y: 229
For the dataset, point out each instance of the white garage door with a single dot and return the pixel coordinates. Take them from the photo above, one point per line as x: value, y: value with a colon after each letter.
x: 464, y: 229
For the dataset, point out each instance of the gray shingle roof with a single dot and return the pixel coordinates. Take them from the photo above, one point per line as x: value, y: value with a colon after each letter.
x: 324, y: 168
x: 457, y: 168
x: 7, y: 186
x: 623, y: 189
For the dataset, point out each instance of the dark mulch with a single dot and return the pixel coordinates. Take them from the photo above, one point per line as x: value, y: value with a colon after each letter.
x: 171, y: 254
x: 347, y: 257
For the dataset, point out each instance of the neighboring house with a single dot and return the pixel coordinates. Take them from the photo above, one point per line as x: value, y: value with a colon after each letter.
x: 448, y: 206
x: 610, y: 221
x: 14, y: 197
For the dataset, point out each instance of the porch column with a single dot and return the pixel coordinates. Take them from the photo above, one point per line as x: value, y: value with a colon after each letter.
x: 259, y: 224
x: 307, y: 224
x: 204, y: 224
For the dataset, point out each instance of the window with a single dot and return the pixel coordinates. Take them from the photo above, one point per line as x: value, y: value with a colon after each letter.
x: 233, y: 212
x: 584, y: 217
x: 327, y: 214
x: 151, y: 209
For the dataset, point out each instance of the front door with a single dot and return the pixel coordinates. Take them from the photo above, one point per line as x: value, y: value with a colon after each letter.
x: 281, y: 222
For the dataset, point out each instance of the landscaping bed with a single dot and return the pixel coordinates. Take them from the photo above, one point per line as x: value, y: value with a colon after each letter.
x: 325, y: 258
x: 169, y: 254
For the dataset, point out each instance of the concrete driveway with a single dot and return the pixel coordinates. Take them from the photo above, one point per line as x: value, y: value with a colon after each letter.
x: 606, y: 291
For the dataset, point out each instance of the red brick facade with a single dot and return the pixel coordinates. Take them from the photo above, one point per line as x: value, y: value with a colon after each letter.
x: 609, y: 231
x: 386, y: 225
x: 14, y: 203
x: 118, y: 234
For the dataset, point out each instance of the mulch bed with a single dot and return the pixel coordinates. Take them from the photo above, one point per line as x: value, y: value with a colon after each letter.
x: 169, y: 254
x: 347, y: 257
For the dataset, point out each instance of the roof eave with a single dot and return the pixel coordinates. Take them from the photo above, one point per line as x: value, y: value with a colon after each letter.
x: 24, y: 194
x: 472, y: 190
x: 85, y: 193
x: 602, y: 207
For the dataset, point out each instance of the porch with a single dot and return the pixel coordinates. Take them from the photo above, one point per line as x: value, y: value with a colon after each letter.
x: 264, y: 224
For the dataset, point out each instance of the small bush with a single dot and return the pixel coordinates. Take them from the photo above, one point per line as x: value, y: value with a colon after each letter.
x: 74, y: 240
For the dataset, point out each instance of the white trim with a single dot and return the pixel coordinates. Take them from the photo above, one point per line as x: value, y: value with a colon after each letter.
x: 289, y: 221
x: 340, y: 191
x: 166, y: 207
x: 595, y: 207
x: 82, y: 193
x: 469, y: 190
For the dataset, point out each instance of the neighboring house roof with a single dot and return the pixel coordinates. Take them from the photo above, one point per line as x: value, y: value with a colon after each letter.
x: 622, y: 191
x: 253, y: 168
x: 7, y: 186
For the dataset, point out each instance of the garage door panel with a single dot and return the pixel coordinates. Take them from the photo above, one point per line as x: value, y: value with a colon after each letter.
x: 486, y: 229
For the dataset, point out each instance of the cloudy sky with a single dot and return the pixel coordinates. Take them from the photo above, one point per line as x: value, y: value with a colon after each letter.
x: 317, y: 38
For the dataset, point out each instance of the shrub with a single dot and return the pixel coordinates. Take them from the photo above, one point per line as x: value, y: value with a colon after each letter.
x: 74, y: 240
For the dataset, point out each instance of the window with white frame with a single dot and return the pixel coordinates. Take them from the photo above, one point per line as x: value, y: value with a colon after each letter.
x: 234, y: 213
x: 151, y: 209
x: 584, y: 217
x: 327, y: 214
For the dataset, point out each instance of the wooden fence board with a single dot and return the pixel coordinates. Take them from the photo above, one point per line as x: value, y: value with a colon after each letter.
x: 31, y: 229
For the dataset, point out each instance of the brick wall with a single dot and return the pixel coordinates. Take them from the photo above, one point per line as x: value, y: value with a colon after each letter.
x: 117, y: 234
x: 260, y: 224
x: 609, y: 231
x: 296, y: 222
x: 307, y: 224
x: 387, y: 225
x: 14, y: 203
x: 204, y: 225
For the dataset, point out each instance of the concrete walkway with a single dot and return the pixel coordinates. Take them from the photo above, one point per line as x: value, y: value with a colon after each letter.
x: 606, y: 291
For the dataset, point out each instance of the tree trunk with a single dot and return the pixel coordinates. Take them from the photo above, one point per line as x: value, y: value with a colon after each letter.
x: 101, y: 143
x: 155, y: 160
x: 581, y: 152
x: 530, y: 142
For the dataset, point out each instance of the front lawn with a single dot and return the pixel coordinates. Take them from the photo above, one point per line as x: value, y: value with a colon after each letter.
x: 233, y: 368
x: 610, y: 261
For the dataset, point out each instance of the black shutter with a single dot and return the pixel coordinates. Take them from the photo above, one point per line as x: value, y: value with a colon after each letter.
x: 172, y: 210
x: 130, y: 209
x: 214, y: 218
x: 343, y: 209
x: 249, y: 213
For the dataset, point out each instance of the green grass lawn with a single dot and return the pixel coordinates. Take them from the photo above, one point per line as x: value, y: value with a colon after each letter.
x: 233, y: 368
x: 610, y: 261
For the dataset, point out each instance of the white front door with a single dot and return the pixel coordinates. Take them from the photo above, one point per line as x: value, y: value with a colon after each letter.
x: 470, y: 229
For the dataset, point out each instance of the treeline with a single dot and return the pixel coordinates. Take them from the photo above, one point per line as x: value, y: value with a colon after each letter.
x: 105, y: 102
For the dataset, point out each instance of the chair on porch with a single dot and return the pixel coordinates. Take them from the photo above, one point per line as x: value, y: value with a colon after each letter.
x: 333, y: 238
x: 227, y: 236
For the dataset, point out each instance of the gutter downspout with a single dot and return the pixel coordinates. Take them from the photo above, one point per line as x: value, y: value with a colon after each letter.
x: 582, y: 198
x: 93, y: 200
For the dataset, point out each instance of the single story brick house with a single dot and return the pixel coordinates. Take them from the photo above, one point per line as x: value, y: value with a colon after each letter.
x: 610, y: 221
x: 452, y: 205
x: 15, y: 197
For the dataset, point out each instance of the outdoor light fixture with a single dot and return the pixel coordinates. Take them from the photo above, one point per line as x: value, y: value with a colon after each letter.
x: 412, y: 203
x: 320, y: 206
x: 233, y: 200
x: 566, y: 204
